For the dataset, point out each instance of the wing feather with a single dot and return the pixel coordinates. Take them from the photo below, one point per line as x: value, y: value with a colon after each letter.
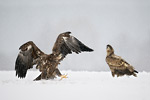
x: 117, y: 62
x: 66, y: 44
x: 25, y: 59
x: 75, y: 42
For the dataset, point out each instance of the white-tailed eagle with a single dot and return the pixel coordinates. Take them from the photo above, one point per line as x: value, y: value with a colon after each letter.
x: 47, y: 64
x: 118, y: 66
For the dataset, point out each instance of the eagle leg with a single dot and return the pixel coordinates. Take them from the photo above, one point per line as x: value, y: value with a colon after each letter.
x: 38, y: 78
x: 118, y: 75
x: 58, y: 72
x: 43, y: 75
x: 134, y: 74
x: 113, y: 74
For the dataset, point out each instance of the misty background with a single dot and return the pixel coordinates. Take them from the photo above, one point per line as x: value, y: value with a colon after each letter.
x: 125, y: 24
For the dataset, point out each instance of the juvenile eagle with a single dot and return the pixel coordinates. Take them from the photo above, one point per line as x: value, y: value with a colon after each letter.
x: 47, y: 64
x: 118, y: 66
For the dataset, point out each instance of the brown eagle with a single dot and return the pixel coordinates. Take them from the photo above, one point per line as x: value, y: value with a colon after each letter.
x: 47, y: 64
x: 118, y: 66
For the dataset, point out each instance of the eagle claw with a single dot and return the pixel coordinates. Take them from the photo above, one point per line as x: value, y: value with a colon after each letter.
x: 63, y: 76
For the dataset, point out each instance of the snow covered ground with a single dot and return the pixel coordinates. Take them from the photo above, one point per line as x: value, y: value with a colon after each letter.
x: 78, y: 86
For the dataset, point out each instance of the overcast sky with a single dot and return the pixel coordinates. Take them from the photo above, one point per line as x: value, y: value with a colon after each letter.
x: 125, y: 24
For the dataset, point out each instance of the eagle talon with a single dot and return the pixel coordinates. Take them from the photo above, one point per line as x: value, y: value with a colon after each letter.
x: 63, y: 76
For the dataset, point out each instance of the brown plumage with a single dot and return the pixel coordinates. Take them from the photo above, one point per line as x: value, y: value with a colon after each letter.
x: 118, y: 66
x: 47, y: 64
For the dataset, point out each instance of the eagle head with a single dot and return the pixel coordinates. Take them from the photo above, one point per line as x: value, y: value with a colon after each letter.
x: 66, y: 34
x: 110, y: 50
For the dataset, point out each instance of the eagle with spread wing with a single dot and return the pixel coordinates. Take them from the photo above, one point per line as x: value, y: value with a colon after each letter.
x: 47, y: 64
x: 118, y: 66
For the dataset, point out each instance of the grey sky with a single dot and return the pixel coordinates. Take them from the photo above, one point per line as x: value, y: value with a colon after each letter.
x: 125, y: 24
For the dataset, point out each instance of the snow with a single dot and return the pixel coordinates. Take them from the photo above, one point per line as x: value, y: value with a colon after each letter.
x: 80, y: 85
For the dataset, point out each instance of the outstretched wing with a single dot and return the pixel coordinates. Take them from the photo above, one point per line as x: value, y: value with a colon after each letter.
x: 66, y: 44
x: 27, y: 56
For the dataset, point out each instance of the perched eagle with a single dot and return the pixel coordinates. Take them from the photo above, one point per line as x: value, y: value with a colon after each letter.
x: 118, y: 66
x: 47, y: 64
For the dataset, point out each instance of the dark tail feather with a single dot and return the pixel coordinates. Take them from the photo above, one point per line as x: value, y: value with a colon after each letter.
x: 135, y: 71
